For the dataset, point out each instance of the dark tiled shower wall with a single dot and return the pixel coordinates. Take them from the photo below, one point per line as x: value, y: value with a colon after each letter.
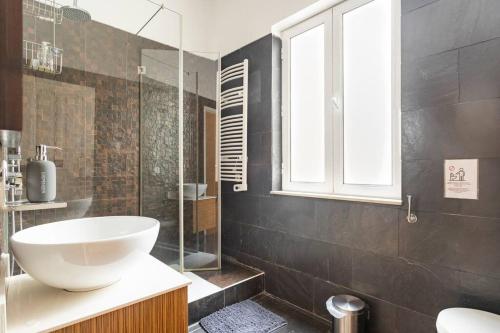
x: 312, y: 248
x: 92, y: 110
x: 98, y: 171
x: 161, y: 143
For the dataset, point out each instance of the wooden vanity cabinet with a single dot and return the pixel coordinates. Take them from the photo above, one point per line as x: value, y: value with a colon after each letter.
x: 166, y: 313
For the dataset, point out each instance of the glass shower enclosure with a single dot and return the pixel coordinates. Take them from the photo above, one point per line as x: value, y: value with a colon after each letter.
x: 178, y: 157
x: 201, y: 197
x: 134, y: 116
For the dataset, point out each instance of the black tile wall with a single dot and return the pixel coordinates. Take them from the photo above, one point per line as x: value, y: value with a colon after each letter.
x: 311, y: 249
x: 430, y: 240
x: 449, y: 24
x: 359, y: 226
x: 230, y: 295
x: 480, y: 71
x: 430, y: 81
x: 206, y: 306
x: 409, y: 5
x: 468, y: 129
x: 261, y: 242
x: 288, y: 214
x: 293, y: 286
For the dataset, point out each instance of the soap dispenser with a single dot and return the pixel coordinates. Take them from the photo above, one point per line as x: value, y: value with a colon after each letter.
x: 41, y: 176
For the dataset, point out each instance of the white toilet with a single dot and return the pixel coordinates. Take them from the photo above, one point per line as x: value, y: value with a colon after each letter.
x: 462, y: 320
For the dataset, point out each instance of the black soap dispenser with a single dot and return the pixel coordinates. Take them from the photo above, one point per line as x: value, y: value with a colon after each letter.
x: 41, y: 176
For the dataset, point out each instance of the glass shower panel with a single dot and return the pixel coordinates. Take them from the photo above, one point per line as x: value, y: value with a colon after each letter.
x: 159, y: 132
x: 201, y: 188
x: 160, y: 148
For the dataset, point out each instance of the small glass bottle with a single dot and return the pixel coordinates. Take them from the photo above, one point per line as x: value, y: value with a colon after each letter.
x: 56, y: 60
x: 45, y: 56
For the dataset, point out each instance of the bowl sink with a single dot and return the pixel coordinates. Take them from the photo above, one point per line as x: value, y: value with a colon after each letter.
x: 190, y: 190
x: 84, y: 254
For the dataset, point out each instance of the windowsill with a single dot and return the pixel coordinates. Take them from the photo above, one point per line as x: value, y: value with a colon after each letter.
x: 383, y: 201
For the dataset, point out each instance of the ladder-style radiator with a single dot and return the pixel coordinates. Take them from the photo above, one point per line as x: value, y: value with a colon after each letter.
x: 232, y: 120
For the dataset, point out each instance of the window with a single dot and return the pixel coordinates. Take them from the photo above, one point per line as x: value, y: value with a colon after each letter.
x: 341, y: 102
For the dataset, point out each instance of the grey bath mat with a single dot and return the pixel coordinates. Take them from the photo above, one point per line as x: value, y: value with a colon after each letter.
x: 243, y: 317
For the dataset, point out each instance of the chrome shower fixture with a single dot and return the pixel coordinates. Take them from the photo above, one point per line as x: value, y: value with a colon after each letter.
x: 75, y: 13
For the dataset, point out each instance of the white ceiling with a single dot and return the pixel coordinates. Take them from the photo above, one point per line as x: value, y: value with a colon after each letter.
x: 131, y: 15
x: 208, y: 25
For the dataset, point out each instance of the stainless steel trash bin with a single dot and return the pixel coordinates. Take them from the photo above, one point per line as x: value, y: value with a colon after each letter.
x: 349, y: 314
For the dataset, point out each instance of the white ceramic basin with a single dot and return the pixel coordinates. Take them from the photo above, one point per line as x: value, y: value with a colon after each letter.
x: 190, y: 190
x: 84, y: 254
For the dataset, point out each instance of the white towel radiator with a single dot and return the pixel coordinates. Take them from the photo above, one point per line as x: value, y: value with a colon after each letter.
x: 232, y: 120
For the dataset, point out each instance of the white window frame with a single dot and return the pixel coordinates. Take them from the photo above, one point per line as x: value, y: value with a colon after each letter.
x: 325, y: 19
x: 334, y: 187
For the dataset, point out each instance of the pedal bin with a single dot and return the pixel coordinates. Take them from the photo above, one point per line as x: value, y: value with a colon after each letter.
x: 349, y: 314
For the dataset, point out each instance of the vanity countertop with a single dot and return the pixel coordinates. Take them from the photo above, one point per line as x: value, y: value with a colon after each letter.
x: 175, y: 196
x: 34, y: 307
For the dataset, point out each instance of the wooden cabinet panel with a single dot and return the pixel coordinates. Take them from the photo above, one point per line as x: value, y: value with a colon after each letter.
x: 167, y: 313
x: 205, y: 211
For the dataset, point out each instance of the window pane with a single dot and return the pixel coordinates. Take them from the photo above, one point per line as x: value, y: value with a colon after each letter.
x: 367, y: 94
x: 307, y: 111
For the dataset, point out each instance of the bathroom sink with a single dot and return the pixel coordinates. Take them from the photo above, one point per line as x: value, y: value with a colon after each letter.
x: 190, y: 190
x: 84, y: 254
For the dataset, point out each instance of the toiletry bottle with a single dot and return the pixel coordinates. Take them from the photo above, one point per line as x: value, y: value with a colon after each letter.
x: 44, y: 55
x: 41, y: 176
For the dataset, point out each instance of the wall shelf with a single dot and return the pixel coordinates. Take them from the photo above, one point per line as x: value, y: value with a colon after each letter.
x: 24, y: 206
x: 44, y: 56
x: 45, y: 10
x: 33, y: 58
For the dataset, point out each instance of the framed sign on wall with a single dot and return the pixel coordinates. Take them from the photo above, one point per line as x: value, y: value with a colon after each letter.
x: 461, y: 179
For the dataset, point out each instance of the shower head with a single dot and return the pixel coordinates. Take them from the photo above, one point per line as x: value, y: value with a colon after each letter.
x: 75, y: 13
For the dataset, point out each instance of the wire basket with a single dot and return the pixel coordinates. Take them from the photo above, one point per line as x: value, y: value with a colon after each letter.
x: 46, y: 10
x: 42, y: 57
